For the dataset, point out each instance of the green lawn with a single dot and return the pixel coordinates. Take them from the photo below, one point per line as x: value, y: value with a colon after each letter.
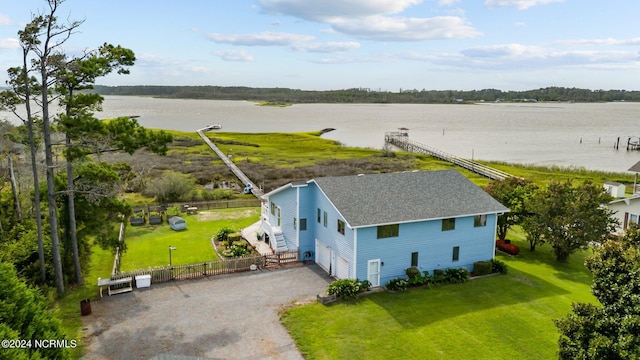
x: 499, y: 317
x: 148, y: 245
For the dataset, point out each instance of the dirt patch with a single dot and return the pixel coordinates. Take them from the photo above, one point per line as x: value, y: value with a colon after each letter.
x: 225, y: 215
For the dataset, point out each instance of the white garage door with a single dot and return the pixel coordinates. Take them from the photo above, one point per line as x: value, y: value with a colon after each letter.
x: 323, y: 256
x: 341, y: 267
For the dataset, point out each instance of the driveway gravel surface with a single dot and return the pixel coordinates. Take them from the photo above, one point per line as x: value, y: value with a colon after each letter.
x: 219, y: 317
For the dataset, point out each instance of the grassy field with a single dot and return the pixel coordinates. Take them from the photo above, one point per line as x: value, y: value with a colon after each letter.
x: 148, y: 245
x: 499, y: 317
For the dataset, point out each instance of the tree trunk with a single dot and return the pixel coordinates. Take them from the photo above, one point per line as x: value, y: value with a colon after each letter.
x: 14, y: 189
x: 72, y: 218
x: 51, y: 190
x: 34, y: 169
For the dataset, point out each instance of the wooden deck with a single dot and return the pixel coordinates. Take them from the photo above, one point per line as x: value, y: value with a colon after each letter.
x: 401, y: 140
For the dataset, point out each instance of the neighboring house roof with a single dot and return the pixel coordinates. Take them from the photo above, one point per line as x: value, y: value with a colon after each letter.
x: 376, y: 199
x: 635, y: 167
x: 613, y: 183
x: 627, y: 200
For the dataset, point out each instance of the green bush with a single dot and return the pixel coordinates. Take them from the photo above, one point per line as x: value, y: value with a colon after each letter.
x: 233, y: 237
x: 239, y: 243
x: 365, y: 285
x: 456, y: 276
x: 346, y: 289
x: 439, y: 276
x: 420, y: 279
x: 223, y: 234
x: 498, y: 266
x: 239, y: 251
x: 397, y: 284
x: 173, y: 211
x: 412, y: 272
x: 482, y: 268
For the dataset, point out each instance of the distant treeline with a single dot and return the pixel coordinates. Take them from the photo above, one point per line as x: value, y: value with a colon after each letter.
x: 364, y: 95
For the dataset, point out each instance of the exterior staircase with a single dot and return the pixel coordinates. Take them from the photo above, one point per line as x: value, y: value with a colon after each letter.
x: 278, y: 237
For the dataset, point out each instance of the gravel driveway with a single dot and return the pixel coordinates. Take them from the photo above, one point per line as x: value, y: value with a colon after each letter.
x: 219, y: 317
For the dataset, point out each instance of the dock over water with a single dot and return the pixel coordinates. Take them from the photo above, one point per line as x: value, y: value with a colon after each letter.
x: 256, y: 191
x: 401, y: 140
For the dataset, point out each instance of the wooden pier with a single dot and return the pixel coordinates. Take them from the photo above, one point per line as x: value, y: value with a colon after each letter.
x: 256, y: 191
x: 401, y: 140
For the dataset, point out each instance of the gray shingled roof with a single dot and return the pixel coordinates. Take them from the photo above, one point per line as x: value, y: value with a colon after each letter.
x: 376, y: 199
x: 635, y: 167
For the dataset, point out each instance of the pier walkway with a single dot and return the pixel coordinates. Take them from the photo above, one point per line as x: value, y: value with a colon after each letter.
x: 402, y: 141
x: 256, y: 191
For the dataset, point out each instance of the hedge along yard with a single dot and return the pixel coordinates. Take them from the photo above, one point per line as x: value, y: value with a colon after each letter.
x: 497, y: 317
x: 148, y: 245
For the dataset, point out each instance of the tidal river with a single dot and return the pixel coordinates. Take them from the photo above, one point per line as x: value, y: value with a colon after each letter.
x: 563, y: 134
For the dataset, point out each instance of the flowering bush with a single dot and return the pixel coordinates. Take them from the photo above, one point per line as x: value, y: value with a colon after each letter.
x: 345, y: 288
x: 397, y: 284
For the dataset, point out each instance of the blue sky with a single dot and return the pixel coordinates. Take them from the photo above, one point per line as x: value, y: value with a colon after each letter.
x: 337, y: 44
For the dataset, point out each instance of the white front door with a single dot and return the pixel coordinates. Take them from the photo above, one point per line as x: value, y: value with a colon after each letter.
x: 373, y: 272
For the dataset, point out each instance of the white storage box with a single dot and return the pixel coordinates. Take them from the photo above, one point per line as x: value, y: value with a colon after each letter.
x: 143, y: 281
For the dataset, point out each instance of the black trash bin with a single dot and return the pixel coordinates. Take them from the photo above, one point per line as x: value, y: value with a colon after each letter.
x: 85, y: 307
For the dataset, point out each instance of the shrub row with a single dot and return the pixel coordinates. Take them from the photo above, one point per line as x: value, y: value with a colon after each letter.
x: 509, y: 248
x: 417, y: 278
x: 492, y: 266
x: 348, y: 289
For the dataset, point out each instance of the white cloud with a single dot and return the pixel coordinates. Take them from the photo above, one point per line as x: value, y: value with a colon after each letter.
x: 374, y: 19
x: 233, y: 55
x: 519, y: 4
x: 599, y: 42
x: 507, y: 50
x: 406, y: 29
x: 326, y: 47
x: 200, y: 69
x: 9, y: 44
x: 508, y: 57
x: 5, y: 20
x: 266, y: 38
x: 326, y: 10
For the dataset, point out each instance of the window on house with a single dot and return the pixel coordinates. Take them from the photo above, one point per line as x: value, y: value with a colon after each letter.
x: 480, y: 220
x: 341, y: 226
x: 303, y: 224
x: 633, y: 218
x: 387, y: 231
x: 326, y: 218
x: 456, y: 253
x: 278, y: 216
x: 319, y: 213
x: 448, y: 224
x: 414, y: 259
x: 273, y: 208
x: 295, y: 224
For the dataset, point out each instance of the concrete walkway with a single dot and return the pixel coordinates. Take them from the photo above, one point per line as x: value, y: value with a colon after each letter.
x: 250, y: 234
x: 218, y: 317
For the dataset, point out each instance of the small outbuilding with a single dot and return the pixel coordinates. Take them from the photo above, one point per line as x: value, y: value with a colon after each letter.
x: 615, y: 189
x: 177, y: 223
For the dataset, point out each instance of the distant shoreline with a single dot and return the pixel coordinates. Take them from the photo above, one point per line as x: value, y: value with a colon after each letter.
x: 287, y: 97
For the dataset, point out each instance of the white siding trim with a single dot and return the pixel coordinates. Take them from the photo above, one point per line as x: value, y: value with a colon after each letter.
x: 354, y: 260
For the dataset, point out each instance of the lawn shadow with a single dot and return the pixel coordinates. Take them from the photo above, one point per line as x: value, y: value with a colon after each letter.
x: 572, y: 270
x: 423, y: 306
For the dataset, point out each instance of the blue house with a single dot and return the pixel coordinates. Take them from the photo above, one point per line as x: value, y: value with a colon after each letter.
x: 376, y: 226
